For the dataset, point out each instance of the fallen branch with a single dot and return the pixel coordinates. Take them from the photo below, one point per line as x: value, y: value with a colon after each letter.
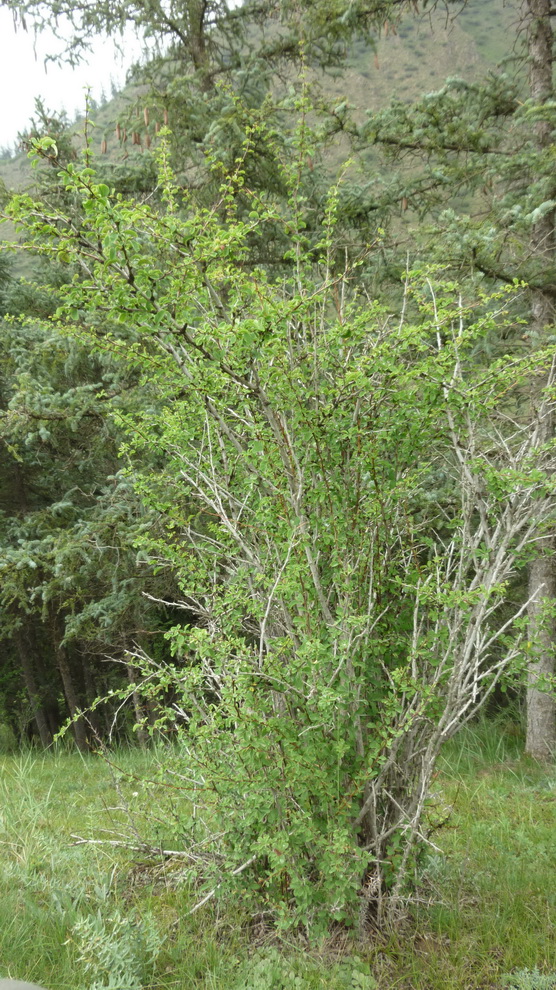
x: 150, y: 850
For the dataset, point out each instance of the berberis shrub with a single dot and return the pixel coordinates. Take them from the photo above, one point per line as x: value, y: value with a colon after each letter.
x: 344, y: 494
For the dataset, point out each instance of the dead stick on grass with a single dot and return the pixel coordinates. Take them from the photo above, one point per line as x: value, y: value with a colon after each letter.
x: 153, y: 850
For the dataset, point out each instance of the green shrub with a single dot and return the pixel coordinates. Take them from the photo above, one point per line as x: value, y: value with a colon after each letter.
x: 337, y: 642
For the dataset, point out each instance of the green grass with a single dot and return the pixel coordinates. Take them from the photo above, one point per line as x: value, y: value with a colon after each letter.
x: 44, y: 879
x: 487, y: 904
x: 494, y: 883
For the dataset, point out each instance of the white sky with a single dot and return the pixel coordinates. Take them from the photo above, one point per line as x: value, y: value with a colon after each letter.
x: 23, y: 76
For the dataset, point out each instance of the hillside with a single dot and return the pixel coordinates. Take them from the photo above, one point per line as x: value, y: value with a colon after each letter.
x: 427, y: 50
x: 415, y: 59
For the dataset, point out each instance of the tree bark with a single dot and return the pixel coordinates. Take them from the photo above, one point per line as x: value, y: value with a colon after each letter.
x: 541, y: 707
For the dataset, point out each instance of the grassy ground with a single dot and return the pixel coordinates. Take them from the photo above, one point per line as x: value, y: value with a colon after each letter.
x: 72, y: 914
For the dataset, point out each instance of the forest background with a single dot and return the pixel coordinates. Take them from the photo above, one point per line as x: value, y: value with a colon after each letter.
x: 277, y: 430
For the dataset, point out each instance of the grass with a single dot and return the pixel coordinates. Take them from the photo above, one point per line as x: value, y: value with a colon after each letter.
x: 494, y: 882
x: 488, y: 900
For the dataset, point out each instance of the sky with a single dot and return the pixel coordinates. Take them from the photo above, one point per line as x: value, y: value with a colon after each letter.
x: 23, y: 76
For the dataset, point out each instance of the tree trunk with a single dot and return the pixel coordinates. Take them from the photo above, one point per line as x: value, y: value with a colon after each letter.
x: 37, y: 707
x: 70, y: 690
x: 541, y: 716
x: 541, y: 708
x: 92, y: 694
x: 196, y: 13
x: 140, y: 715
x: 79, y: 727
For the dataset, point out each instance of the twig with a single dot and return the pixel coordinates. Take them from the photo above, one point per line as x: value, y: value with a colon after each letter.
x: 212, y: 892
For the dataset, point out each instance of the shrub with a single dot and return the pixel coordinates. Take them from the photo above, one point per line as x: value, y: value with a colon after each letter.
x: 344, y: 501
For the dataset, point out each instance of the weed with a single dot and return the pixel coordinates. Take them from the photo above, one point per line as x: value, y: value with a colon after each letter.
x: 117, y: 952
x: 271, y: 970
x: 527, y: 979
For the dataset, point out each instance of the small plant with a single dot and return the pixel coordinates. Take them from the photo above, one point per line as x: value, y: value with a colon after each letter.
x: 273, y: 971
x: 530, y: 979
x: 118, y: 951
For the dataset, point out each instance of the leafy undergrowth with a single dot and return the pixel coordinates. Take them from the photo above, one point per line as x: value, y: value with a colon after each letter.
x: 96, y: 916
